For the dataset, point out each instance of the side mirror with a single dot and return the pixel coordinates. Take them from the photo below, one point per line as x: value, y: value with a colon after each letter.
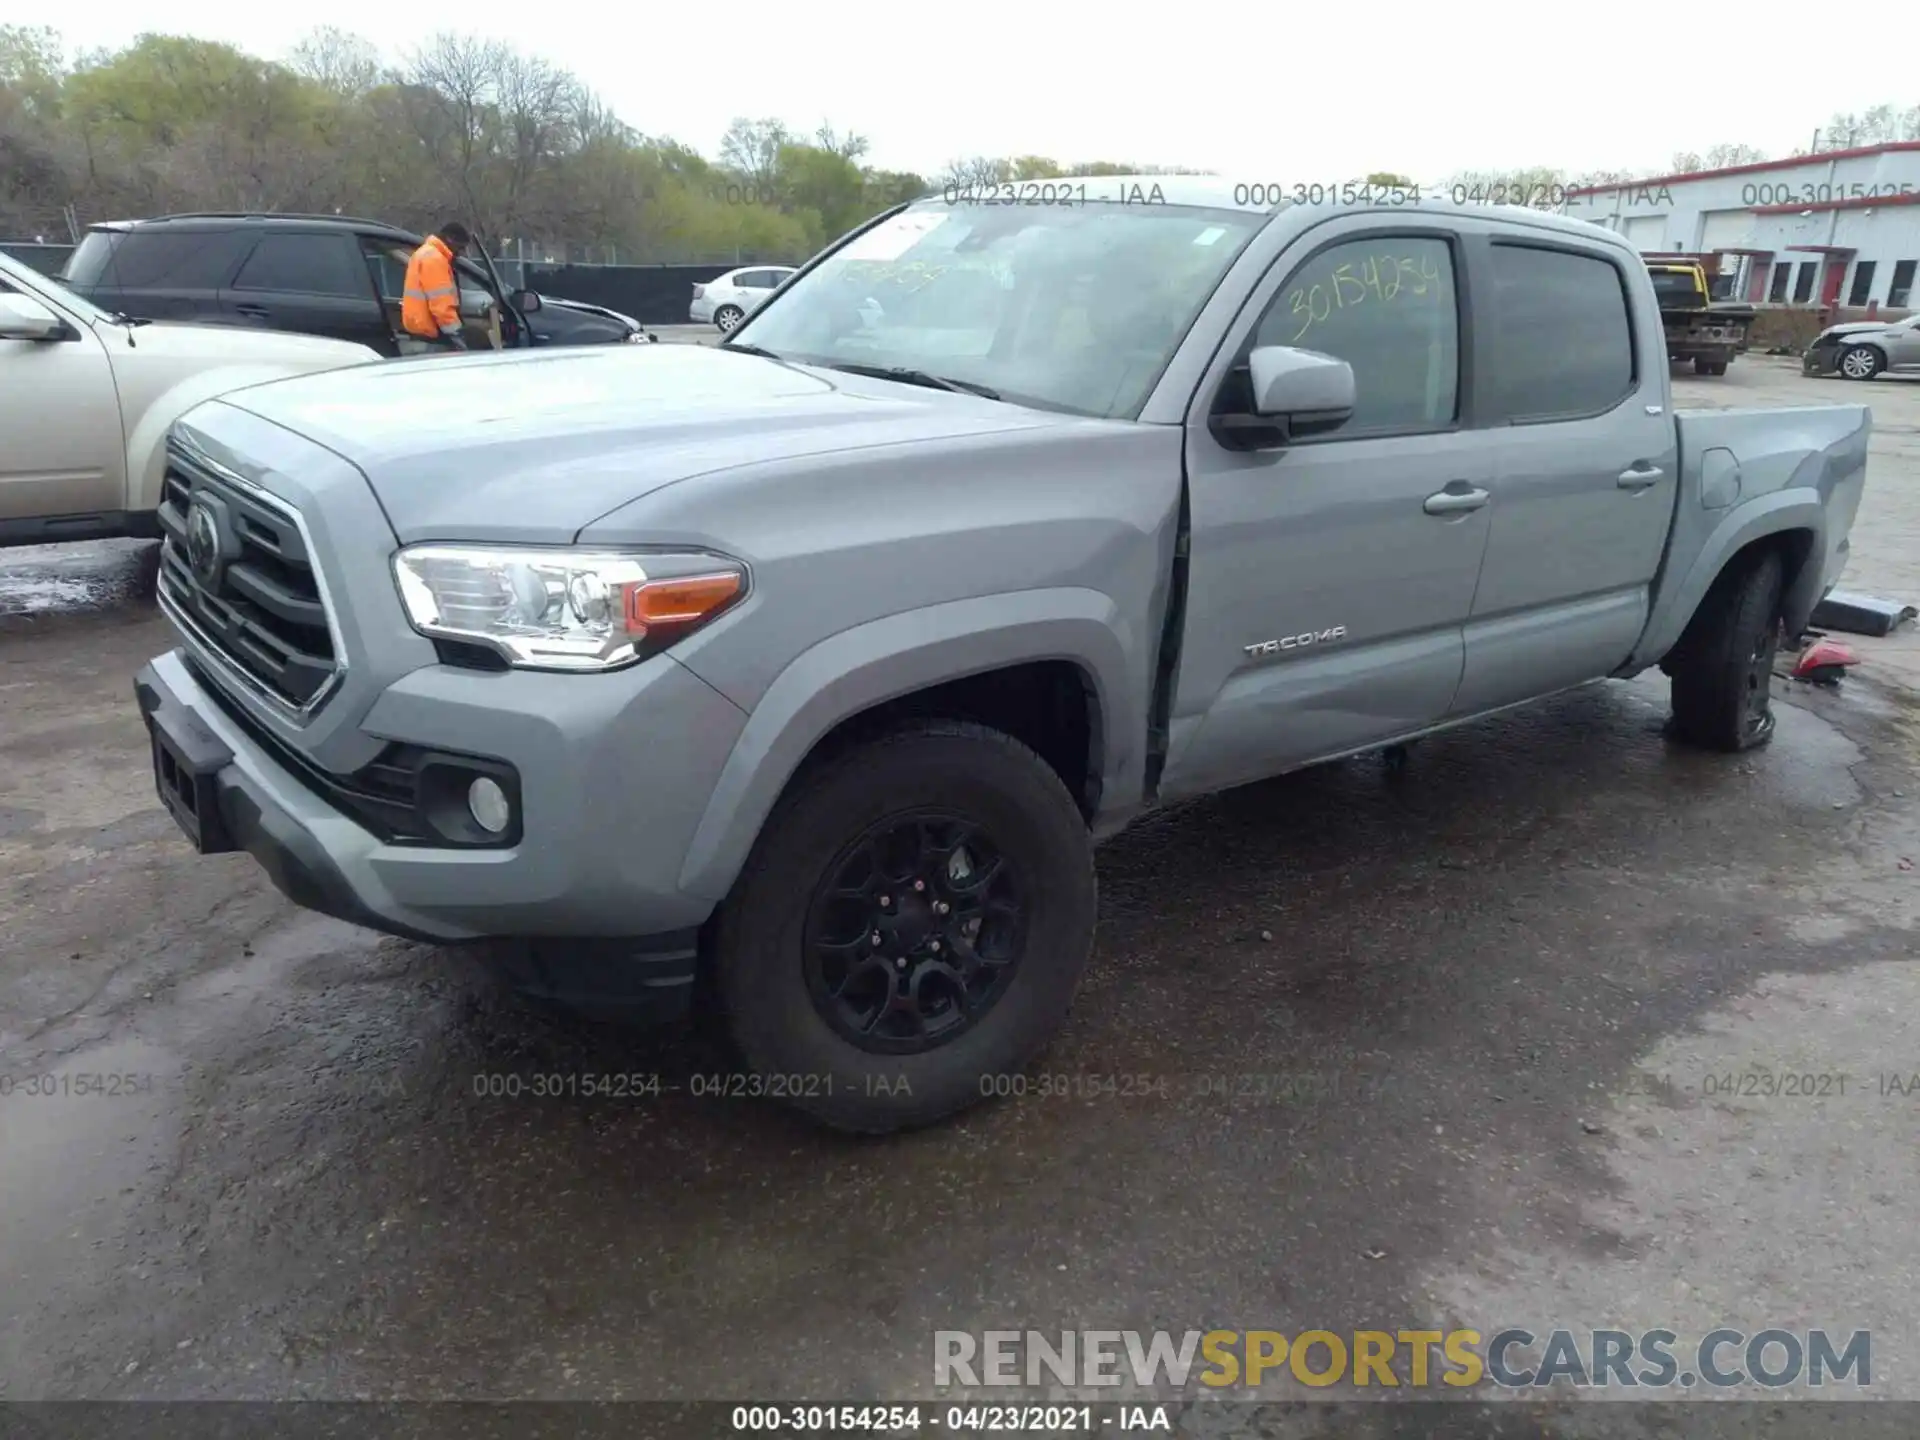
x: 525, y: 301
x: 24, y: 318
x: 1295, y: 393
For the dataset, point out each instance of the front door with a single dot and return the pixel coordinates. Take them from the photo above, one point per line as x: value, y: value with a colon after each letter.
x: 65, y: 455
x: 1329, y: 579
x: 1903, y: 347
x: 1584, y: 474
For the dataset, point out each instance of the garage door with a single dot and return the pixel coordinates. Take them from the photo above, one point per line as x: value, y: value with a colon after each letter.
x: 1646, y: 232
x: 1726, y: 230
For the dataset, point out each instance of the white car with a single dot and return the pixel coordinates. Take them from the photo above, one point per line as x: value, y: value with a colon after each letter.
x: 86, y: 399
x: 737, y: 294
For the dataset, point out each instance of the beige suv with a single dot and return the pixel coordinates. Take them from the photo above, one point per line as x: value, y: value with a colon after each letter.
x: 86, y: 399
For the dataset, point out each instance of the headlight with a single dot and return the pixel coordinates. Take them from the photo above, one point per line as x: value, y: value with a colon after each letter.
x: 564, y: 609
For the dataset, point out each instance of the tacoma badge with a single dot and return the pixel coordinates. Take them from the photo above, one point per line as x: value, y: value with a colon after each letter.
x: 1296, y: 642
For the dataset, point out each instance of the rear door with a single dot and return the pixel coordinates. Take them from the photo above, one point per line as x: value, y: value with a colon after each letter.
x: 1585, y: 467
x: 755, y: 287
x: 312, y: 282
x: 1329, y: 579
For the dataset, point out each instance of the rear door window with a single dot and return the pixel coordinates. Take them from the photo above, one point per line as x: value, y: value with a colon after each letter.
x: 1562, y: 334
x: 306, y: 265
x: 154, y: 260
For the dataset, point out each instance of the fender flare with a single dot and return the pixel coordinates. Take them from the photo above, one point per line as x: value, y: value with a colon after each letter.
x: 147, y: 440
x: 1798, y: 508
x: 881, y: 660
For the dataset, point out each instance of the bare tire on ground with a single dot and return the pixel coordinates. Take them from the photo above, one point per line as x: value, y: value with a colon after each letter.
x: 1861, y: 362
x: 728, y: 316
x: 909, y: 929
x: 1722, y: 669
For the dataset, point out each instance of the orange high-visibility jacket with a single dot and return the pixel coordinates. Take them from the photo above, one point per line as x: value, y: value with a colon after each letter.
x: 431, y: 306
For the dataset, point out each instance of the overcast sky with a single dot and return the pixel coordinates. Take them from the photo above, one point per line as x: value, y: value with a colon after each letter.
x: 1283, y: 92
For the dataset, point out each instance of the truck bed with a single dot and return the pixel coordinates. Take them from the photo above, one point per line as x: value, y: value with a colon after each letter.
x: 1744, y: 473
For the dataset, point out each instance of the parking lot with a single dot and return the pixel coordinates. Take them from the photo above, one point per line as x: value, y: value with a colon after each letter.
x: 1449, y: 1045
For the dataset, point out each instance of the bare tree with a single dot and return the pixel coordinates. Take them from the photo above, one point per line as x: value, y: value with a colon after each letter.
x: 844, y: 143
x: 537, y: 104
x: 1718, y: 157
x: 450, y: 93
x: 751, y: 148
x: 344, y: 63
x: 979, y: 170
x: 1878, y: 125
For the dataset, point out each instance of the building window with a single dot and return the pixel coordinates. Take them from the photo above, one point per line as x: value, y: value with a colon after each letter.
x: 1902, y: 286
x: 1862, y: 283
x: 1803, y: 281
x: 1782, y: 273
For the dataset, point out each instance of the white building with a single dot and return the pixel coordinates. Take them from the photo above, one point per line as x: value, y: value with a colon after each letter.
x: 1842, y: 228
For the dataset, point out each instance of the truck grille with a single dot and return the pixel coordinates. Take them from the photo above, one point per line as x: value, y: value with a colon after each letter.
x: 258, y: 603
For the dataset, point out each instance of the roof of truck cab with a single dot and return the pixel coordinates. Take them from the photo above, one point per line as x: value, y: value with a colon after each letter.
x: 224, y: 220
x: 1233, y: 192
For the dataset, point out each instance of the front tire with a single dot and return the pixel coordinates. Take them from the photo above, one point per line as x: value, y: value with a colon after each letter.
x: 1722, y: 669
x: 727, y: 317
x: 1861, y: 362
x: 909, y: 929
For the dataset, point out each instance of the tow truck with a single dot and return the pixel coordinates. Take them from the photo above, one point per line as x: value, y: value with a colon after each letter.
x: 1699, y: 328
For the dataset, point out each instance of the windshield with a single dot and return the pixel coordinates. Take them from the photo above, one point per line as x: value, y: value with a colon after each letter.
x: 1074, y: 307
x: 1676, y: 285
x: 17, y: 276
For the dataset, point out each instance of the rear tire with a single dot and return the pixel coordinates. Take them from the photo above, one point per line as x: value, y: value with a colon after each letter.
x: 1861, y: 362
x: 727, y: 317
x: 1704, y: 366
x: 792, y: 1026
x: 1722, y: 668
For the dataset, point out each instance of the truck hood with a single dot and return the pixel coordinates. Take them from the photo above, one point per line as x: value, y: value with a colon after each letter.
x: 165, y: 342
x: 533, y: 447
x: 1852, y: 327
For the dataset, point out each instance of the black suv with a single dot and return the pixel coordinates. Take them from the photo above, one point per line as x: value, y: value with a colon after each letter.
x: 316, y: 274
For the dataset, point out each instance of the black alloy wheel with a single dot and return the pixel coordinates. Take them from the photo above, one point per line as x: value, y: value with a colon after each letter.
x: 914, y: 933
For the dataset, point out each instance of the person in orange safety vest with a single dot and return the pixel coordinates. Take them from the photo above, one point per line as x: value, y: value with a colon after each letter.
x: 430, y: 308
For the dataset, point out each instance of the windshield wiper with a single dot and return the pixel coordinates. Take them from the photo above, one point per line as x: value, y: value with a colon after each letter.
x: 906, y: 375
x: 748, y: 349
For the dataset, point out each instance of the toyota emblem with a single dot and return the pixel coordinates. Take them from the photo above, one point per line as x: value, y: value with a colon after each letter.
x: 203, y: 542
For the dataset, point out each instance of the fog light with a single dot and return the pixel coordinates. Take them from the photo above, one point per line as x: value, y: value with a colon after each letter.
x: 488, y: 804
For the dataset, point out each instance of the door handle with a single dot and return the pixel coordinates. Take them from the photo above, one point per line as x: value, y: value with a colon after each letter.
x: 1456, y: 502
x: 255, y: 312
x: 1639, y: 478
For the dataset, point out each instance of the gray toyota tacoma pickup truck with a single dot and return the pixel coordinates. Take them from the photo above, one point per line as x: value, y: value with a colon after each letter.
x: 801, y: 674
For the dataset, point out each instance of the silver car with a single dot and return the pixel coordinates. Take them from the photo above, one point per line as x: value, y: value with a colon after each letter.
x: 1865, y: 348
x: 727, y: 301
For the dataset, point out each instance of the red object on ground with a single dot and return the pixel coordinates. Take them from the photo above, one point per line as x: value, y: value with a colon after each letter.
x: 1824, y: 661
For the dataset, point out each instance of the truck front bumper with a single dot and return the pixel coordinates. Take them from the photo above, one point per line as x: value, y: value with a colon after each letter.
x: 586, y: 906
